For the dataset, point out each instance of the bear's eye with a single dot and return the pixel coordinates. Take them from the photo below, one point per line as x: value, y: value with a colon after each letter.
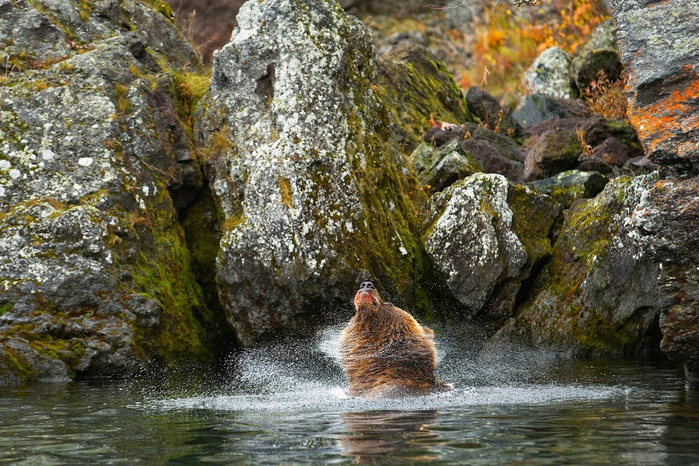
x: 367, y: 286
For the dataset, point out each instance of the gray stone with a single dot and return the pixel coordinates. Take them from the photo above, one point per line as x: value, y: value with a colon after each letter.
x: 480, y: 235
x: 658, y: 42
x: 572, y: 185
x: 539, y: 107
x: 93, y: 266
x: 549, y: 75
x: 438, y: 169
x: 309, y: 151
x: 668, y: 224
x: 599, y: 54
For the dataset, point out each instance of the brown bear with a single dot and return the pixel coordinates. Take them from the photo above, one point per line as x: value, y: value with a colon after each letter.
x: 385, y: 352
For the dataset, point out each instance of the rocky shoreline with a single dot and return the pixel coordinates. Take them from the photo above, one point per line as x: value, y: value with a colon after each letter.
x: 151, y: 216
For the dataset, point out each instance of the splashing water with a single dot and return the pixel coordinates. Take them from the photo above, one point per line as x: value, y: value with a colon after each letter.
x: 306, y: 376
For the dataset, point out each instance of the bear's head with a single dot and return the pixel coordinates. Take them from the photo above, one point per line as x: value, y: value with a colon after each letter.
x: 367, y: 298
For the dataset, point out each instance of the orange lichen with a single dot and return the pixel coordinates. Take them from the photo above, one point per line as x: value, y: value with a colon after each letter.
x: 671, y: 115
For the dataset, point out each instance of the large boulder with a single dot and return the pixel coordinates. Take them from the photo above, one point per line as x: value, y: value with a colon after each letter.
x: 661, y: 56
x: 599, y: 294
x: 302, y: 163
x: 485, y: 236
x: 94, y: 270
x: 417, y: 89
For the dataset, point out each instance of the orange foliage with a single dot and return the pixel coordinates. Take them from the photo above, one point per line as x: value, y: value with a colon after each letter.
x: 507, y: 43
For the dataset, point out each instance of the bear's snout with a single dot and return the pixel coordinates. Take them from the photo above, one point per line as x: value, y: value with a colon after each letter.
x: 367, y: 286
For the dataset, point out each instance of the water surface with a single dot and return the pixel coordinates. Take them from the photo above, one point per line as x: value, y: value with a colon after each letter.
x: 286, y: 404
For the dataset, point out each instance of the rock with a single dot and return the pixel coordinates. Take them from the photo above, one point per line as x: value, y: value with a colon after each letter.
x: 663, y: 89
x: 93, y: 265
x: 438, y: 169
x: 612, y: 152
x: 418, y: 88
x: 306, y: 170
x: 554, y: 152
x: 492, y: 160
x: 599, y: 293
x: 599, y: 54
x: 592, y: 164
x: 571, y: 185
x: 549, y: 75
x: 540, y: 107
x: 640, y: 165
x: 489, y: 111
x: 504, y: 144
x: 668, y: 221
x: 485, y: 235
x: 440, y: 135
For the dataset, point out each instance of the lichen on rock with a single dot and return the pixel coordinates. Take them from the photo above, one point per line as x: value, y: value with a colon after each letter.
x: 478, y: 235
x: 94, y: 269
x: 599, y: 294
x: 315, y: 192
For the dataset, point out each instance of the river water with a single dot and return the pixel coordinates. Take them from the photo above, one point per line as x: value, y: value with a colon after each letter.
x: 286, y: 404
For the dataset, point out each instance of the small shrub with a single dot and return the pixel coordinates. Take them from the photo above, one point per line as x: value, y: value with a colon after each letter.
x: 607, y: 98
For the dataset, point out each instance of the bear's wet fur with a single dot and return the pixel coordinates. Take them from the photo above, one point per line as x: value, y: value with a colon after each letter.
x: 385, y: 352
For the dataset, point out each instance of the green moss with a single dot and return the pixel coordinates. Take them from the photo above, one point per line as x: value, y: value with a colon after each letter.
x: 419, y: 88
x: 122, y: 101
x: 162, y: 7
x: 187, y: 90
x: 16, y: 364
x: 162, y: 272
x: 4, y: 308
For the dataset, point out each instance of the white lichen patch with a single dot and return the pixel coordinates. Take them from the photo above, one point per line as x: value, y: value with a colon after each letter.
x: 472, y: 241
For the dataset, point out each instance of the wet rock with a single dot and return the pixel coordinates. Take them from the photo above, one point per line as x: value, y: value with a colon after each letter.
x: 489, y: 111
x: 599, y: 54
x: 481, y: 236
x: 93, y: 265
x: 571, y: 185
x: 599, y: 293
x: 540, y: 107
x: 668, y: 221
x: 305, y: 171
x: 554, y: 152
x: 661, y: 57
x: 492, y: 161
x: 549, y: 75
x: 438, y: 169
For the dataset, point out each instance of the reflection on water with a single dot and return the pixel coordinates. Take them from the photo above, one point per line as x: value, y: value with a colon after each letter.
x: 286, y: 404
x: 372, y: 435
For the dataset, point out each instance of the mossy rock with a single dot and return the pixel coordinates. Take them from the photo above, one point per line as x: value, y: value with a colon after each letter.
x: 418, y: 89
x: 598, y: 295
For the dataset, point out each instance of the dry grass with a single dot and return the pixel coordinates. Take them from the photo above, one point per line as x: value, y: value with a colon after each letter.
x: 607, y: 98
